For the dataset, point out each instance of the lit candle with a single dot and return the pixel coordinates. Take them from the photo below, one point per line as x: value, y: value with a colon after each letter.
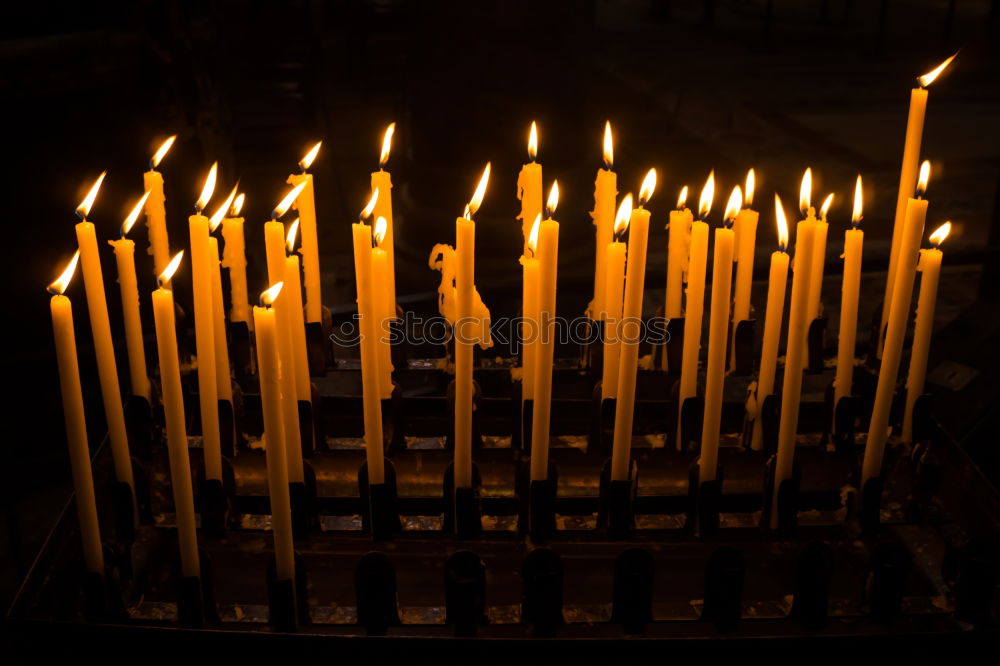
x: 818, y: 264
x: 204, y: 328
x: 745, y: 228
x: 306, y: 205
x: 465, y: 322
x: 274, y: 246
x: 929, y: 266
x: 854, y: 239
x: 382, y: 181
x: 718, y: 329
x: 529, y: 187
x: 362, y: 235
x: 892, y: 350
x: 76, y: 424
x: 798, y: 328
x: 293, y: 287
x: 385, y: 305
x: 268, y: 361
x: 614, y: 282
x: 697, y: 264
x: 125, y: 258
x: 529, y: 313
x: 908, y: 176
x: 100, y: 327
x: 156, y: 212
x: 776, y: 283
x: 548, y: 261
x: 630, y: 331
x: 235, y: 259
x: 173, y: 412
x: 605, y: 192
x: 223, y: 377
x: 679, y: 235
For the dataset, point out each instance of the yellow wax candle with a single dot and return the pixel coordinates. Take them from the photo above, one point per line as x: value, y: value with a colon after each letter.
x: 306, y: 205
x: 745, y: 228
x: 798, y: 328
x: 718, y: 328
x: 268, y: 361
x: 293, y: 287
x: 76, y: 423
x: 465, y: 331
x: 385, y: 307
x: 529, y: 313
x: 813, y: 306
x: 776, y: 284
x: 929, y: 266
x: 614, y: 295
x: 679, y: 235
x: 100, y: 326
x: 362, y: 235
x: 892, y: 350
x: 908, y: 175
x: 173, y: 411
x: 234, y: 258
x: 605, y: 192
x: 382, y: 181
x: 125, y: 258
x: 156, y: 213
x: 854, y: 240
x: 223, y: 378
x: 529, y: 187
x: 548, y: 263
x: 630, y: 331
x: 204, y: 328
x: 693, y: 313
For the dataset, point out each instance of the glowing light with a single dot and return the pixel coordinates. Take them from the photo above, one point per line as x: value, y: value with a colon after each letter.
x: 366, y: 212
x: 925, y: 175
x: 748, y: 191
x: 477, y: 196
x: 238, y: 204
x: 134, y: 214
x: 59, y: 285
x: 682, y: 198
x: 707, y: 195
x: 939, y: 235
x: 825, y: 208
x: 533, y: 235
x: 168, y: 272
x: 161, y: 152
x: 386, y: 144
x: 930, y: 76
x: 216, y: 219
x: 287, y: 202
x: 609, y: 147
x: 779, y: 218
x: 269, y: 295
x: 83, y: 210
x: 553, y: 201
x: 208, y: 188
x: 310, y: 157
x: 293, y: 230
x: 733, y: 205
x: 858, y: 202
x: 623, y: 216
x: 805, y: 192
x: 378, y: 231
x: 533, y: 141
x: 648, y: 187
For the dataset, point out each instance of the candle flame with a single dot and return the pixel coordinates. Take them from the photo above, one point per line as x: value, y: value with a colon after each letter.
x: 386, y: 144
x: 609, y: 147
x: 748, y: 191
x: 533, y: 141
x: 310, y: 157
x: 623, y: 217
x: 208, y: 188
x: 168, y: 272
x: 707, y: 194
x: 293, y: 230
x: 825, y: 208
x: 925, y: 175
x: 477, y: 196
x: 83, y: 210
x: 647, y: 188
x: 805, y: 191
x: 59, y: 285
x: 287, y: 202
x: 366, y: 212
x: 733, y: 205
x: 779, y: 217
x: 270, y: 295
x: 939, y: 235
x: 682, y: 198
x: 930, y: 76
x: 553, y: 201
x: 161, y: 152
x: 134, y: 214
x: 378, y: 231
x: 533, y: 235
x: 858, y: 202
x: 237, y: 205
x: 216, y: 219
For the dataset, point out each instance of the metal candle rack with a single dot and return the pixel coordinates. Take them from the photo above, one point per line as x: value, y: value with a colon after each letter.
x: 571, y: 557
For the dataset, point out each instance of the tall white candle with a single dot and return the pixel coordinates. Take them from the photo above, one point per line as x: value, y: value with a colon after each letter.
x: 854, y: 239
x: 125, y: 258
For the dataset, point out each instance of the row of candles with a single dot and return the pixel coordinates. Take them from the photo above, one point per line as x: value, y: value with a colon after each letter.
x: 279, y: 321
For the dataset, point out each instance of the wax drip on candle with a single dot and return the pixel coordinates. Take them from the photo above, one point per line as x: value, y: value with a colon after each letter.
x: 779, y: 216
x: 939, y: 235
x: 707, y: 195
x: 609, y: 149
x: 748, y: 191
x: 856, y: 216
x: 732, y: 207
x: 930, y: 76
x: 83, y: 210
x: 290, y: 198
x: 386, y: 145
x: 133, y: 215
x: 161, y: 152
x: 307, y: 161
x: 682, y: 198
x: 366, y: 212
x: 925, y: 174
x: 163, y: 278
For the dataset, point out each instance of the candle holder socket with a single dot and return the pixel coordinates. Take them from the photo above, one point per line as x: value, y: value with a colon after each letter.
x: 465, y: 592
x: 375, y: 588
x: 380, y: 516
x: 302, y: 495
x: 139, y: 426
x: 632, y: 594
x: 241, y: 350
x: 742, y: 348
x: 688, y: 428
x: 542, y: 598
x: 602, y: 436
x: 616, y: 511
x: 843, y: 415
x: 724, y: 576
x: 463, y: 514
x: 213, y: 505
x: 815, y: 343
x: 287, y: 600
x: 538, y: 502
x: 307, y: 429
x: 102, y: 596
x: 196, y: 605
x: 888, y: 569
x: 228, y: 439
x: 923, y: 421
x: 811, y: 590
x: 704, y: 502
x: 781, y: 509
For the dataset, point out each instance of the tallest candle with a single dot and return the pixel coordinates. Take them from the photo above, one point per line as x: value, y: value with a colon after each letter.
x: 156, y: 213
x: 605, y: 191
x: 306, y: 205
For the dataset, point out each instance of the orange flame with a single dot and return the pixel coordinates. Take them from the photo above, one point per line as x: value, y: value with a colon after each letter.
x: 237, y: 205
x: 477, y: 196
x: 310, y: 157
x: 386, y: 144
x: 378, y: 231
x: 707, y: 194
x: 925, y: 175
x: 533, y: 141
x: 733, y: 205
x: 293, y: 230
x: 161, y: 152
x: 647, y: 188
x: 623, y: 216
x: 366, y: 212
x: 287, y: 202
x: 208, y: 188
x: 609, y: 147
x: 83, y: 210
x: 58, y: 286
x: 168, y: 272
x: 269, y: 295
x: 805, y: 191
x: 533, y: 235
x: 682, y: 198
x: 858, y: 202
x: 553, y: 200
x: 930, y: 76
x: 216, y: 219
x: 779, y: 217
x: 825, y: 208
x: 751, y: 183
x: 134, y: 214
x: 939, y: 235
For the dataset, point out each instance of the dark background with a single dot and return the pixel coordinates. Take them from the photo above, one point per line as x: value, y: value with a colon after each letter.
x: 688, y: 85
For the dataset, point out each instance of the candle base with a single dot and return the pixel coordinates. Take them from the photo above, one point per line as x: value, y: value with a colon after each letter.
x: 302, y: 496
x: 375, y: 590
x: 686, y: 425
x: 811, y: 591
x: 241, y: 350
x: 139, y: 427
x: 381, y: 513
x: 538, y: 502
x: 742, y: 355
x: 287, y: 600
x: 196, y: 596
x: 307, y: 430
x: 213, y: 505
x: 465, y: 593
x: 541, y: 607
x: 781, y: 508
x: 888, y: 569
x: 462, y: 508
x: 704, y: 502
x: 616, y: 510
x: 632, y: 594
x: 228, y: 441
x: 723, y: 602
x: 841, y: 428
x: 815, y: 341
